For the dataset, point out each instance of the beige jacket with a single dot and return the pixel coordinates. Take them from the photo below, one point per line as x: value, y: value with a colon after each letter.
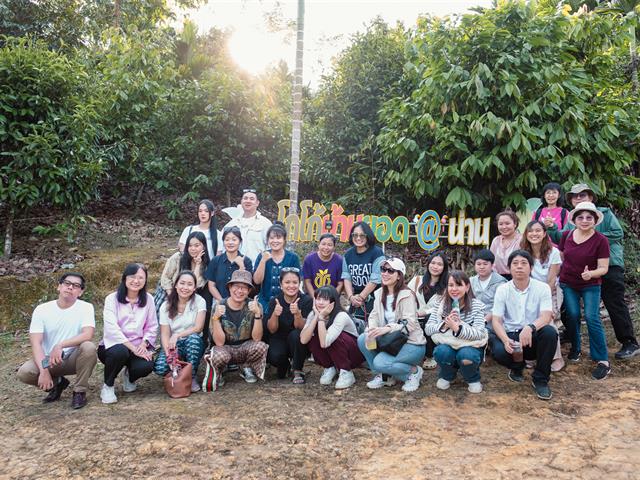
x: 171, y: 271
x: 424, y: 308
x: 406, y: 309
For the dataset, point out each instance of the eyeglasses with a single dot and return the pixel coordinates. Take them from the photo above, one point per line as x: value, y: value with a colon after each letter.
x: 290, y: 269
x: 388, y: 270
x: 584, y: 218
x: 358, y: 235
x: 581, y: 194
x: 249, y: 190
x: 67, y: 283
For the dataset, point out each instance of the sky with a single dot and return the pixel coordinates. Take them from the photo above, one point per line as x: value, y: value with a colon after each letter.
x: 328, y: 26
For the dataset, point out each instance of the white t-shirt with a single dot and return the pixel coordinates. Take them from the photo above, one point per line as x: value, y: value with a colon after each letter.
x: 389, y: 314
x: 342, y: 322
x: 484, y: 283
x: 520, y: 308
x: 185, y: 320
x: 541, y: 271
x: 196, y: 228
x: 254, y: 234
x: 59, y: 324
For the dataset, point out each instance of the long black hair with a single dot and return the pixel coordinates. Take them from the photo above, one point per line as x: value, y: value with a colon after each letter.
x: 186, y: 259
x: 174, y: 298
x: 330, y: 293
x: 121, y: 293
x: 441, y: 285
x: 213, y: 224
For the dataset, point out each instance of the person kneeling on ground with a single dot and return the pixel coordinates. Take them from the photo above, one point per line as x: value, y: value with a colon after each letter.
x: 457, y: 326
x: 130, y: 329
x: 331, y: 336
x: 60, y: 334
x: 181, y: 321
x: 285, y: 320
x: 394, y: 307
x: 522, y: 313
x: 236, y: 326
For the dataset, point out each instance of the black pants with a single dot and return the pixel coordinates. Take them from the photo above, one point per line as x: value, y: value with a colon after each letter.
x: 117, y: 357
x: 206, y: 332
x: 544, y: 341
x: 612, y: 294
x: 282, y: 349
x: 430, y: 343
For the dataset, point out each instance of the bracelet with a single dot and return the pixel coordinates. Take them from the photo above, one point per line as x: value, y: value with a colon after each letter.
x: 258, y: 318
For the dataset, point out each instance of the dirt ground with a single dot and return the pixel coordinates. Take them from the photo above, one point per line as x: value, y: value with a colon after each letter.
x: 275, y: 430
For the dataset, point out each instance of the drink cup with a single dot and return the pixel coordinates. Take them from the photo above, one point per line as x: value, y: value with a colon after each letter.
x: 371, y: 343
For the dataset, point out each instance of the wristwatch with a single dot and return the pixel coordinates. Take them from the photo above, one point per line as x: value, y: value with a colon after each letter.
x: 533, y: 328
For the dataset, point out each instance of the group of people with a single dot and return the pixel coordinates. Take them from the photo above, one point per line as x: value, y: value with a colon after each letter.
x: 240, y: 299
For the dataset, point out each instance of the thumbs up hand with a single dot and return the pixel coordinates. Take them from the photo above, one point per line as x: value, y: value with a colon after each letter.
x: 278, y: 308
x: 294, y: 307
x: 586, y: 275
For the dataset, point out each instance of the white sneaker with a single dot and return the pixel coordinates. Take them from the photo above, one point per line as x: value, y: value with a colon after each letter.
x: 345, y: 379
x: 378, y: 382
x: 248, y: 375
x: 413, y: 382
x: 108, y: 394
x: 127, y: 385
x: 327, y: 376
x: 475, y: 387
x: 443, y: 384
x: 429, y: 363
x: 195, y: 386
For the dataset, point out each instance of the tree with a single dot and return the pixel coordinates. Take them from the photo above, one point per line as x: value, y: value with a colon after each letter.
x: 296, y: 118
x: 503, y: 101
x: 48, y: 132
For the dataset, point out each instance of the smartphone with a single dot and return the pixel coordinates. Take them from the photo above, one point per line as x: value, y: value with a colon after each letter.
x: 45, y: 362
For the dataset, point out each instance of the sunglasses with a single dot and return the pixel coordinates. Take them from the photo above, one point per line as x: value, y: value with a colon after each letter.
x: 290, y: 269
x: 388, y: 270
x: 249, y: 190
x: 358, y: 235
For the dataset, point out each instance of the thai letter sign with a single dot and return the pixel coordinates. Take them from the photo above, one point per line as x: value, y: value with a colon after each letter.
x: 309, y: 225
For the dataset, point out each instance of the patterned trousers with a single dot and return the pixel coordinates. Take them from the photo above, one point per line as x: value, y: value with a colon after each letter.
x: 250, y: 354
x: 190, y: 349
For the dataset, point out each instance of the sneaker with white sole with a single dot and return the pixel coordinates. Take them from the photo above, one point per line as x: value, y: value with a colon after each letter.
x: 108, y: 394
x: 443, y: 384
x: 327, y: 376
x: 195, y: 386
x: 248, y: 375
x: 378, y: 381
x: 475, y: 387
x: 413, y: 381
x: 429, y: 363
x: 345, y: 379
x: 127, y: 385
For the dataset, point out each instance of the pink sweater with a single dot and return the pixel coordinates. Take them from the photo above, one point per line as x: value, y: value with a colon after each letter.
x: 502, y: 252
x: 127, y: 323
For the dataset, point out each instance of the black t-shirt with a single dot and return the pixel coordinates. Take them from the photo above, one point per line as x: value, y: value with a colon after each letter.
x: 285, y: 320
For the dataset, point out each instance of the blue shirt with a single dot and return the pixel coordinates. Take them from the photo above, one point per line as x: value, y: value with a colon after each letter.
x: 220, y: 269
x: 270, y: 286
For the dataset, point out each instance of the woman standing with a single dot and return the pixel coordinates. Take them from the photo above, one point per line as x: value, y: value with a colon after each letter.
x: 585, y: 261
x: 331, y: 335
x: 361, y: 271
x: 393, y: 307
x: 506, y: 242
x: 222, y: 267
x: 207, y: 225
x: 323, y: 267
x: 130, y: 328
x: 269, y: 264
x: 429, y: 290
x: 546, y: 267
x: 457, y: 326
x: 181, y: 322
x: 286, y: 317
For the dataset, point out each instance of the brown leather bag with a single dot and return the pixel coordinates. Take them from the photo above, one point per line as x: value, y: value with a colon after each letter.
x: 177, y: 382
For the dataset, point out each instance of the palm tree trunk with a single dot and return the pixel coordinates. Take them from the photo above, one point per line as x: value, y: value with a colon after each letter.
x: 633, y: 52
x: 296, y: 120
x: 8, y: 236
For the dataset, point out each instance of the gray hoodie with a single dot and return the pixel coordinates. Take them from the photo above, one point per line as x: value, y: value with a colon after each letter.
x: 486, y: 296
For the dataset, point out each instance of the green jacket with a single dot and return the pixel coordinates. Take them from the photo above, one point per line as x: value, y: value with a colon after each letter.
x: 610, y: 228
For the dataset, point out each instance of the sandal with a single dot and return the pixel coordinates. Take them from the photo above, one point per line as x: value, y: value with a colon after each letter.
x: 298, y: 378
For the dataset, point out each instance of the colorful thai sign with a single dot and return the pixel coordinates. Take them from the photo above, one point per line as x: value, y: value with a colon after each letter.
x: 313, y: 220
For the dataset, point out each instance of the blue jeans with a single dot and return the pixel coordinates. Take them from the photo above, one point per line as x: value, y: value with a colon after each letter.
x: 451, y: 360
x: 591, y: 298
x: 399, y: 366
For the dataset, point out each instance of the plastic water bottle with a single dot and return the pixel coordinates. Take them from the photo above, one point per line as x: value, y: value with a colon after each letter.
x: 455, y: 306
